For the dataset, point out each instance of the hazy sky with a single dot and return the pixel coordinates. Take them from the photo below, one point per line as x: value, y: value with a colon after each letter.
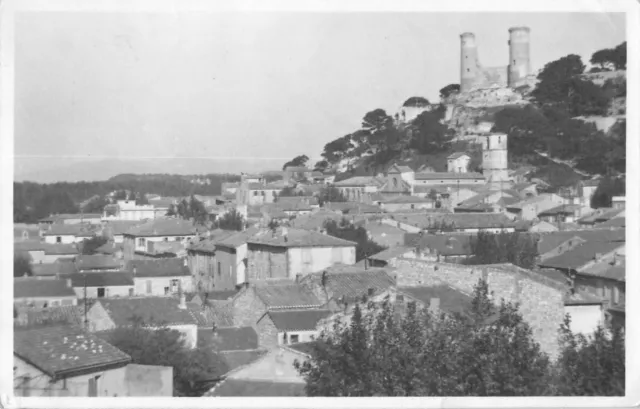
x: 243, y: 85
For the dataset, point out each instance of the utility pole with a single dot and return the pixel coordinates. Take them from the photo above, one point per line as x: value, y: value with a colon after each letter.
x: 86, y: 320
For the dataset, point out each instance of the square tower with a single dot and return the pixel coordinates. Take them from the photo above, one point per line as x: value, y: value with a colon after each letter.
x: 495, y: 160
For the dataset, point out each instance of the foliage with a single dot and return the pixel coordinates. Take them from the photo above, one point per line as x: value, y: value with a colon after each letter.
x: 96, y: 205
x: 345, y: 230
x: 192, y: 209
x: 337, y: 149
x: 321, y: 165
x: 607, y: 188
x: 385, y: 351
x: 330, y: 194
x: 520, y: 249
x: 290, y: 191
x: 21, y: 266
x: 429, y: 134
x: 90, y: 245
x: 591, y: 365
x: 273, y: 224
x: 298, y: 161
x: 450, y: 89
x: 416, y: 102
x: 193, y: 369
x: 611, y: 58
x: 120, y: 195
x: 232, y: 220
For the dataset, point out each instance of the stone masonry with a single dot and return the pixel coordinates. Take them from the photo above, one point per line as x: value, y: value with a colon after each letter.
x: 267, y: 333
x: 541, y: 300
x: 247, y: 308
x: 266, y: 262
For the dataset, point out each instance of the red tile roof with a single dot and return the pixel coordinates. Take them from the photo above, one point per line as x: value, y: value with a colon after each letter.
x: 160, y: 310
x: 279, y: 296
x: 62, y: 351
x: 451, y: 300
x: 165, y: 227
x: 228, y: 339
x: 96, y: 262
x: 448, y: 176
x: 580, y: 255
x: 288, y: 237
x: 101, y: 279
x: 352, y: 282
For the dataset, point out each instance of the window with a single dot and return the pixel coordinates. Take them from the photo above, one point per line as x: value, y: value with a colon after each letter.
x: 149, y: 286
x: 55, y: 303
x: 616, y: 295
x: 219, y: 269
x: 467, y: 70
x: 101, y: 292
x: 293, y: 339
x: 166, y: 291
x: 166, y: 239
x: 58, y: 239
x: 45, y: 304
x: 141, y: 242
x: 175, y: 284
x: 230, y: 271
x: 395, y: 182
x: 130, y: 292
x: 255, y: 193
x: 413, y: 206
x: 608, y: 291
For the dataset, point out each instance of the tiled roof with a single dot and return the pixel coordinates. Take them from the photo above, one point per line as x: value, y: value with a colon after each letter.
x: 51, y: 269
x: 448, y: 176
x: 229, y: 338
x: 109, y: 248
x: 352, y: 282
x: 221, y: 295
x: 358, y: 181
x: 406, y: 199
x: 278, y: 296
x: 245, y: 388
x: 562, y: 209
x: 119, y: 227
x: 236, y: 239
x: 306, y: 348
x: 210, y: 315
x: 60, y: 249
x: 459, y: 220
x: 314, y: 221
x: 289, y: 206
x: 446, y: 245
x: 297, y: 320
x: 444, y: 188
x: 67, y: 216
x: 580, y: 255
x: 287, y: 237
x: 451, y: 300
x: 165, y: 227
x: 32, y: 232
x: 613, y: 268
x: 601, y: 215
x: 310, y: 200
x: 402, y: 187
x: 96, y: 262
x: 101, y: 279
x: 550, y: 241
x: 160, y: 310
x: 457, y: 155
x: 171, y: 267
x: 236, y: 359
x: 614, y: 223
x: 41, y: 287
x: 61, y: 351
x: 70, y: 230
x: 67, y: 314
x: 390, y: 253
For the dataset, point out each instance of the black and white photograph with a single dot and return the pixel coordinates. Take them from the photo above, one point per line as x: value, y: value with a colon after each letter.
x: 318, y: 199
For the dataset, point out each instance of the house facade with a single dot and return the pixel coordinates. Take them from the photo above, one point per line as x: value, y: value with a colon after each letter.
x: 165, y: 277
x: 137, y: 239
x: 130, y: 210
x: 458, y: 162
x: 43, y: 292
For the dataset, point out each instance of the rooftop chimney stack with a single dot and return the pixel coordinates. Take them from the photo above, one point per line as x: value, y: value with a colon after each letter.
x: 434, y: 305
x: 69, y: 283
x: 183, y: 302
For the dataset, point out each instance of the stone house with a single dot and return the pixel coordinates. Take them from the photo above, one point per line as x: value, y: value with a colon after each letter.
x: 295, y: 173
x: 137, y: 238
x: 290, y: 326
x: 284, y: 253
x: 529, y: 209
x: 458, y: 162
x: 115, y: 229
x: 400, y: 203
x: 98, y: 285
x: 68, y: 233
x: 358, y: 188
x: 97, y: 263
x: 42, y: 252
x: 432, y: 179
x: 565, y: 213
x: 384, y: 234
x: 452, y: 222
x: 253, y: 302
x: 541, y: 299
x: 80, y: 218
x: 43, y: 292
x: 160, y: 277
x: 107, y: 314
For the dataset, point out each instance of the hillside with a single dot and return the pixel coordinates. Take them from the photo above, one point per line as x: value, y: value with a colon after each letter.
x: 561, y: 123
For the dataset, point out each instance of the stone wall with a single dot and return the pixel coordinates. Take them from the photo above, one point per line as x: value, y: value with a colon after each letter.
x: 247, y: 308
x: 267, y: 333
x: 541, y: 299
x: 266, y: 262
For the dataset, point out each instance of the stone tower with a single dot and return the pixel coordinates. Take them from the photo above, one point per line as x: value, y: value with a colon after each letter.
x: 519, y: 63
x: 494, y: 161
x: 468, y: 61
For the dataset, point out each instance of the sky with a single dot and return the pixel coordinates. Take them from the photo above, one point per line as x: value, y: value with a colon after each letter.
x: 98, y: 94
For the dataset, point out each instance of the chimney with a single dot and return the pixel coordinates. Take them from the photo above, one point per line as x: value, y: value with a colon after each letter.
x: 183, y: 302
x: 135, y: 270
x: 69, y: 283
x: 366, y: 263
x: 434, y: 305
x: 597, y: 256
x: 298, y: 277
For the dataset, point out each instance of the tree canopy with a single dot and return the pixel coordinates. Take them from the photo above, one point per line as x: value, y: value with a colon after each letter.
x: 520, y: 249
x: 21, y: 265
x: 330, y: 194
x: 607, y: 188
x: 90, y: 245
x: 365, y: 247
x: 608, y: 59
x: 232, y: 220
x: 449, y: 90
x: 429, y: 134
x: 298, y: 161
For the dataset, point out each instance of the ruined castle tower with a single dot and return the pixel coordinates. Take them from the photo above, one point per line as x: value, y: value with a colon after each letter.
x: 519, y: 62
x: 474, y: 75
x: 494, y: 161
x: 468, y: 61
